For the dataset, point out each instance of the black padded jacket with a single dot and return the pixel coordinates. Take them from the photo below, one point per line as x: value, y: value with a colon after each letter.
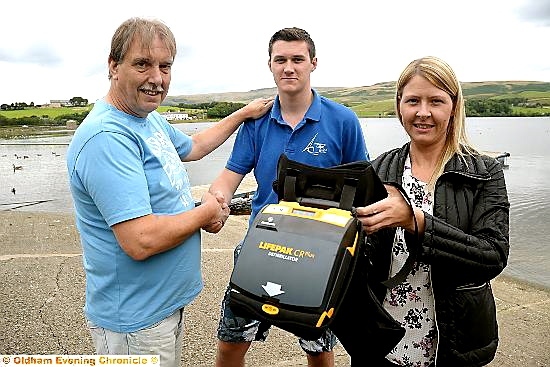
x: 466, y: 242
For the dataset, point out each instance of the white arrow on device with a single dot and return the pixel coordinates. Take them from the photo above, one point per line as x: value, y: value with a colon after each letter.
x: 272, y: 289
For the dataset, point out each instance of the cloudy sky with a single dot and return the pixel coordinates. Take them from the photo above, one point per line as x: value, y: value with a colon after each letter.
x: 58, y: 49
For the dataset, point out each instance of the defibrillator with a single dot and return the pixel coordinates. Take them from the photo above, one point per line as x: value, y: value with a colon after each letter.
x: 298, y: 255
x: 293, y: 265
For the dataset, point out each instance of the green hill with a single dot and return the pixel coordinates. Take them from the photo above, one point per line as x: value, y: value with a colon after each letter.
x: 378, y: 99
x: 376, y: 92
x: 530, y: 98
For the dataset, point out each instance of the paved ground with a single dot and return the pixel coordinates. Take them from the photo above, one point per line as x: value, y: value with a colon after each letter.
x: 42, y: 285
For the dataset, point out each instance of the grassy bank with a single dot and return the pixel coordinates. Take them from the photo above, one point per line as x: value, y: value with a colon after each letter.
x: 21, y: 132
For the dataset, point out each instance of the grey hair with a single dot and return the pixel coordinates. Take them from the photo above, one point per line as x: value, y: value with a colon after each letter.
x: 146, y: 30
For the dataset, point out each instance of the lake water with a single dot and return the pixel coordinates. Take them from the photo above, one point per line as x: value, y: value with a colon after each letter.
x: 41, y: 184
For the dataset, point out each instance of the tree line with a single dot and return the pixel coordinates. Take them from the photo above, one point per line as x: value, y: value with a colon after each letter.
x: 489, y: 107
x: 214, y: 110
x: 15, y: 106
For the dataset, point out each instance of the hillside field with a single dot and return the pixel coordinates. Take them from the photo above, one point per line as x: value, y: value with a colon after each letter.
x: 368, y: 101
x: 378, y: 100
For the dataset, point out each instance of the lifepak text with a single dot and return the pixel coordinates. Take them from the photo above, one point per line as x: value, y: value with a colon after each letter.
x: 273, y: 247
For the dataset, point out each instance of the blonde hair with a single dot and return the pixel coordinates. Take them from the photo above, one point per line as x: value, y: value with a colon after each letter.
x: 442, y: 76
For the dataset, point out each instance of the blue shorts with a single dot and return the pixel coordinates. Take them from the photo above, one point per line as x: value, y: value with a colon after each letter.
x: 237, y: 329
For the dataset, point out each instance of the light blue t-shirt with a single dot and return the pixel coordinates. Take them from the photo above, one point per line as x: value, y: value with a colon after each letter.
x: 122, y: 167
x: 330, y: 134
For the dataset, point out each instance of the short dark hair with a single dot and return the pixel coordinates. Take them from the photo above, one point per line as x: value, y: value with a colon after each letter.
x: 293, y: 34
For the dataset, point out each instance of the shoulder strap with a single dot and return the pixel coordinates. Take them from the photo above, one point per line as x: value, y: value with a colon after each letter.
x: 413, y: 247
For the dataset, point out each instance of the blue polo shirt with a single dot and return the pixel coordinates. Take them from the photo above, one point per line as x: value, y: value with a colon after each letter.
x: 329, y: 134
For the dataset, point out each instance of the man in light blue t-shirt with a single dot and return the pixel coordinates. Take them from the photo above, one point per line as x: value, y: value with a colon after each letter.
x: 306, y: 127
x: 139, y: 228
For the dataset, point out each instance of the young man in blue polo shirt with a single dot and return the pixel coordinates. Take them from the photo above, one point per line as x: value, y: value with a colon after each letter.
x: 306, y: 127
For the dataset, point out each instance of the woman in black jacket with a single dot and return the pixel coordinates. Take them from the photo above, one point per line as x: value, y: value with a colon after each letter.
x: 461, y: 209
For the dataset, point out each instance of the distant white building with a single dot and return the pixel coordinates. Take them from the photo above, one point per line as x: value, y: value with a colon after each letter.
x: 59, y: 103
x: 176, y: 116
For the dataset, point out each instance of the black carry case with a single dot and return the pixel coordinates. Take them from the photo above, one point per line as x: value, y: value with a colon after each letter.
x: 298, y: 256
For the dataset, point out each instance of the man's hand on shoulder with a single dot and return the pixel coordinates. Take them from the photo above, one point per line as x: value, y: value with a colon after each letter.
x: 258, y: 107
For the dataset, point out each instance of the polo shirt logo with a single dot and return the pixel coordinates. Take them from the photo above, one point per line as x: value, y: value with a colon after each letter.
x: 315, y: 148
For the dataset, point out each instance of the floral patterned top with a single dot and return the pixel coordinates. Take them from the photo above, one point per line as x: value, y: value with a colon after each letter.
x: 412, y: 302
